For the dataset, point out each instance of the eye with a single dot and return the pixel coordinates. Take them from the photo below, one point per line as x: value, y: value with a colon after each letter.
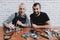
x: 33, y: 9
x: 21, y: 8
x: 36, y: 8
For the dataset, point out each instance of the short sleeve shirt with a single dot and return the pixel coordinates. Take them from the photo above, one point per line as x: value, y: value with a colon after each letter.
x: 39, y: 20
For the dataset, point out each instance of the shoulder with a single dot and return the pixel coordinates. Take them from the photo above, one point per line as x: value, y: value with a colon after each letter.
x: 16, y: 13
x: 31, y: 15
x: 43, y: 13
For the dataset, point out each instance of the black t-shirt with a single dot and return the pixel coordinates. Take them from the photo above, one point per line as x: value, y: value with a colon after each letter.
x: 39, y: 20
x: 20, y: 18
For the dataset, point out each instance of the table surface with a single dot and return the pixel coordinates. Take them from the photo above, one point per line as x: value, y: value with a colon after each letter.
x: 17, y: 36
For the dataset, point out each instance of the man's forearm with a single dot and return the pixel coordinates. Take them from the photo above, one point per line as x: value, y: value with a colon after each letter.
x: 9, y: 26
x: 44, y: 26
x: 40, y: 26
x: 20, y: 23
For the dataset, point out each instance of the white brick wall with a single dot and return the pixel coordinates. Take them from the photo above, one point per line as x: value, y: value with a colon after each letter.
x: 51, y: 7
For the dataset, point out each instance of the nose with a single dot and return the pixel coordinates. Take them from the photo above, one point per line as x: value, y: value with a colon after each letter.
x: 35, y: 10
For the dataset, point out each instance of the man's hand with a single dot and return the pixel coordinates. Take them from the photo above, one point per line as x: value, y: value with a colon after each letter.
x: 20, y: 23
x: 11, y: 26
x: 53, y: 38
x: 35, y: 26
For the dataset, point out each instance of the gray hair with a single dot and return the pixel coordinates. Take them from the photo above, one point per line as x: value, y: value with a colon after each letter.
x: 22, y: 4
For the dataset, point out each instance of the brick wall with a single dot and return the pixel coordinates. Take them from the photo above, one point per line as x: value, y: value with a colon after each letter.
x: 51, y: 7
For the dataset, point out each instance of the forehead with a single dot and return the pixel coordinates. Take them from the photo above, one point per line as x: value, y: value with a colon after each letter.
x: 21, y: 6
x: 37, y: 6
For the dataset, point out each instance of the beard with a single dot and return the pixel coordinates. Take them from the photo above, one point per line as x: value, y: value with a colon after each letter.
x: 36, y: 13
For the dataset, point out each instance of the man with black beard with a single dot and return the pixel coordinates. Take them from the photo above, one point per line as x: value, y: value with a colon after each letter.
x: 39, y: 19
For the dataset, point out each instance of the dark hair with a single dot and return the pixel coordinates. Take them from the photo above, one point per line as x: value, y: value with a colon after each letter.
x: 35, y: 4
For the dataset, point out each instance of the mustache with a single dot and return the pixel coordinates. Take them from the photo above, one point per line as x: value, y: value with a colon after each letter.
x: 36, y: 13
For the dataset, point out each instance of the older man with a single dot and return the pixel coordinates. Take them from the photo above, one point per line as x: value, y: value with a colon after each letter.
x: 18, y: 19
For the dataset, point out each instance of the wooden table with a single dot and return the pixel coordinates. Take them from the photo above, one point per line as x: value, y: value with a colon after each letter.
x: 17, y: 36
x: 1, y: 33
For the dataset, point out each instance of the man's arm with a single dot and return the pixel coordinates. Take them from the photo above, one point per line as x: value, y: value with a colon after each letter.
x: 20, y: 23
x: 27, y: 23
x: 47, y: 25
x: 8, y: 22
